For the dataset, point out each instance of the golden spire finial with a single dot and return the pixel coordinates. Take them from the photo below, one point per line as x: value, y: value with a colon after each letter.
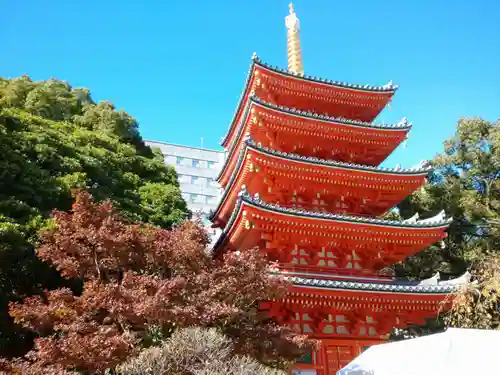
x: 292, y: 24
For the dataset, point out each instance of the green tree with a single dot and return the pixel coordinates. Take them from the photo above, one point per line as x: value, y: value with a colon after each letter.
x: 466, y: 184
x: 54, y: 139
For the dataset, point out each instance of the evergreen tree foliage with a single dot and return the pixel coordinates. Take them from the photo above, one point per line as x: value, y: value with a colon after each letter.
x: 466, y: 184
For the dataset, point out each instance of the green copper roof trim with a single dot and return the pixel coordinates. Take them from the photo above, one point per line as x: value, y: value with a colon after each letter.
x: 377, y: 287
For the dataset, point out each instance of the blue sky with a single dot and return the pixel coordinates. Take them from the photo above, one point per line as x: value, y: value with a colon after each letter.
x: 179, y: 66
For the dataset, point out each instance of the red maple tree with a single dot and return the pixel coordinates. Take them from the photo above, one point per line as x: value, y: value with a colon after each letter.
x: 137, y: 278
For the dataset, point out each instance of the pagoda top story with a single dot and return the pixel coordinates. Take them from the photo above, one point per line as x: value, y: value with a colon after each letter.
x: 314, y: 95
x: 291, y: 88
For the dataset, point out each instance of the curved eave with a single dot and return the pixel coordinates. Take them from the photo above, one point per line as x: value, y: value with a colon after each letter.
x: 246, y: 199
x: 389, y: 88
x: 372, y: 287
x: 258, y: 203
x: 402, y: 125
x: 253, y: 100
x: 249, y: 144
x: 256, y: 62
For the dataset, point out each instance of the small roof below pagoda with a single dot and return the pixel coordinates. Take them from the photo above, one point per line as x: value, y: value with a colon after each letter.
x: 387, y: 304
x: 431, y: 286
x: 396, y: 302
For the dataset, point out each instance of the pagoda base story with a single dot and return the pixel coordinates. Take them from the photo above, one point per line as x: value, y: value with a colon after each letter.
x: 348, y: 317
x: 332, y: 355
x: 342, y: 334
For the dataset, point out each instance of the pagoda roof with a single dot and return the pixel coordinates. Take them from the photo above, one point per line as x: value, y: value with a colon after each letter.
x: 403, y: 124
x: 250, y: 144
x: 389, y: 88
x: 402, y: 127
x: 430, y: 286
x: 438, y: 221
x: 338, y: 164
x: 401, y: 296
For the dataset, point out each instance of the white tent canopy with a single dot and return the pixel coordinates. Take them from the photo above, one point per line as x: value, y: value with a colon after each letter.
x: 453, y: 352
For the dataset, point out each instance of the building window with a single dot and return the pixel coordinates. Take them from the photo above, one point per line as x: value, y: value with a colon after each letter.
x: 199, y: 181
x: 211, y: 164
x: 195, y: 163
x: 198, y: 198
x: 212, y: 182
x: 184, y: 179
x: 179, y: 160
x: 212, y: 199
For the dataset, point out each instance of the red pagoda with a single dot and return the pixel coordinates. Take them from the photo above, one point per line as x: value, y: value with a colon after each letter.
x: 301, y: 182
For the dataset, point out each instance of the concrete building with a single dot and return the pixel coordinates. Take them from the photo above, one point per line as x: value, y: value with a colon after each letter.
x: 197, y: 169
